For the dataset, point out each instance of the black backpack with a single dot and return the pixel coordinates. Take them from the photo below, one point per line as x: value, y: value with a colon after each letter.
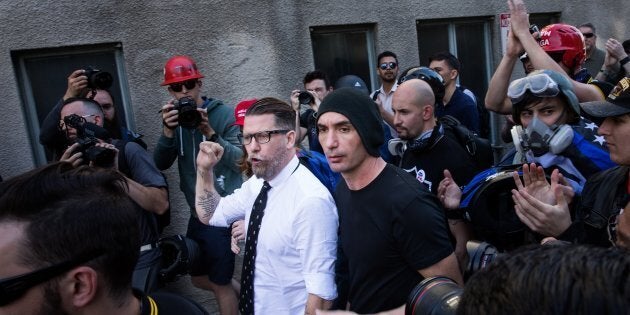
x: 477, y: 147
x: 163, y: 220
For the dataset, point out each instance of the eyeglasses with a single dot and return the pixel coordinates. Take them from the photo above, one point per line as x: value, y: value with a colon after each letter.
x: 388, y: 65
x: 588, y: 35
x: 13, y: 288
x: 177, y: 87
x: 541, y: 85
x: 261, y: 137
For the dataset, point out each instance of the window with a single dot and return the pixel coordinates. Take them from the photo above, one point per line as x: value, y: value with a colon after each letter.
x: 343, y: 50
x: 468, y: 39
x: 42, y: 77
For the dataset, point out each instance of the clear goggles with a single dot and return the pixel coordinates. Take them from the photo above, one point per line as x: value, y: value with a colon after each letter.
x: 541, y: 85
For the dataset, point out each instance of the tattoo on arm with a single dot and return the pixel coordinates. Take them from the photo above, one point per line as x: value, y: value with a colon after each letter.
x: 208, y: 203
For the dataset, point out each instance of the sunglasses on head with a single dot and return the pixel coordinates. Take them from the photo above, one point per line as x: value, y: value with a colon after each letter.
x: 388, y: 65
x: 11, y: 289
x: 588, y: 35
x: 177, y: 87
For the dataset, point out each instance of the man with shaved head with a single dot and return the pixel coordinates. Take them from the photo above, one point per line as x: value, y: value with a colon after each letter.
x: 426, y: 150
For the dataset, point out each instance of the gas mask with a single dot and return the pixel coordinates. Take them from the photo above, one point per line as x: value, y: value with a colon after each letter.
x: 540, y: 138
x: 397, y: 146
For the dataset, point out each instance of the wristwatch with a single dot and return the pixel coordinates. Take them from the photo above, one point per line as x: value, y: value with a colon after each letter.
x: 623, y: 61
x: 214, y: 137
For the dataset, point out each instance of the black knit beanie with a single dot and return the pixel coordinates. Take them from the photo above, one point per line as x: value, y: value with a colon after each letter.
x: 362, y: 112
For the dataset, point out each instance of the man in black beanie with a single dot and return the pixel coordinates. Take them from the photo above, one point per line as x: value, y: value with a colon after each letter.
x: 393, y: 233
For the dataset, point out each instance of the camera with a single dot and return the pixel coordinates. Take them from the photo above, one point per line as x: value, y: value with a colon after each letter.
x: 435, y: 295
x: 188, y: 116
x: 441, y: 295
x: 98, y: 79
x: 305, y: 98
x: 179, y: 254
x: 480, y: 255
x: 87, y: 138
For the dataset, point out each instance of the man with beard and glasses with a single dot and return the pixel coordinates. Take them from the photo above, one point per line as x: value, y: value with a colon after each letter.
x: 292, y: 222
x: 387, y: 70
x: 70, y: 239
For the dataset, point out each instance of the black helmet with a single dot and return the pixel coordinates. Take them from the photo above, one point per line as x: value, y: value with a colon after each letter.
x: 429, y: 75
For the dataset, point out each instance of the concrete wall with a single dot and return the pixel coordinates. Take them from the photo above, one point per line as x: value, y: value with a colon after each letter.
x: 245, y: 48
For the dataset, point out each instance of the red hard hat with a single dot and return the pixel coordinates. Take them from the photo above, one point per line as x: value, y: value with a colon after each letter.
x: 566, y: 39
x: 180, y: 69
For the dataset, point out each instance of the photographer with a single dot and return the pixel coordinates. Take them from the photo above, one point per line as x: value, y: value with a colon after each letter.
x: 82, y: 121
x: 317, y: 86
x: 188, y: 119
x: 93, y: 84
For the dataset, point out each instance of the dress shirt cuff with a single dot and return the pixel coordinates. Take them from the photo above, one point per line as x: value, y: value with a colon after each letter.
x: 322, y: 285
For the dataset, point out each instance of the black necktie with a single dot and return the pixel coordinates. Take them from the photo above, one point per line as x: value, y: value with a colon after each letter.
x: 246, y: 300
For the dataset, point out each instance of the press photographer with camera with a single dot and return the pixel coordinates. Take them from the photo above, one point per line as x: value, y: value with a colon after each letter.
x: 89, y: 143
x: 94, y: 84
x: 316, y: 86
x: 189, y: 118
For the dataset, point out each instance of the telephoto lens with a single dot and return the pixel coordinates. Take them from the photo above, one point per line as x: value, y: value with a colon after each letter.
x: 305, y: 98
x: 434, y: 296
x: 480, y: 254
x: 98, y: 79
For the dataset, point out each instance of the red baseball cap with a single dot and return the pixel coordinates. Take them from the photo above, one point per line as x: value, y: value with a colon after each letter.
x: 241, y: 109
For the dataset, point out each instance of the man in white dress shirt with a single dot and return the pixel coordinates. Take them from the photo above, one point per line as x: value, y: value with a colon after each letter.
x: 295, y: 253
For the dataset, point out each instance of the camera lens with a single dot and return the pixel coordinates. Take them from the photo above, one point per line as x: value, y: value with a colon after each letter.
x: 305, y: 98
x: 102, y: 80
x: 434, y: 296
x: 480, y: 255
x: 98, y: 79
x: 188, y: 116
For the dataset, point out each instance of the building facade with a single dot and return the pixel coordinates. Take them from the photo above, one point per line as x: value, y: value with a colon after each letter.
x: 245, y: 49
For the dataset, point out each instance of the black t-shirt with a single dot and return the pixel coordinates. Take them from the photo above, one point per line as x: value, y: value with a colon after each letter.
x: 388, y: 231
x: 427, y: 164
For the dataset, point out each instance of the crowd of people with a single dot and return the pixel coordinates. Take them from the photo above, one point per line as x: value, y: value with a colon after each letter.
x: 339, y: 199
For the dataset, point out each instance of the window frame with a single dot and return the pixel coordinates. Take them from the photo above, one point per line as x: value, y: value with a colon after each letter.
x: 26, y: 93
x: 368, y: 29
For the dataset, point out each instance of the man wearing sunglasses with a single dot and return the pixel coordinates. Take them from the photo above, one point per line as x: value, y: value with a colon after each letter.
x: 291, y: 218
x: 594, y: 56
x: 70, y: 239
x: 181, y: 141
x: 387, y: 70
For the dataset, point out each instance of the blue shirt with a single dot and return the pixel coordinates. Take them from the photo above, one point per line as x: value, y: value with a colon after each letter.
x: 461, y: 107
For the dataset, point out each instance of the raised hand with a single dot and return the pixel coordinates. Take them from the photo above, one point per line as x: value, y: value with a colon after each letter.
x: 209, y: 155
x: 548, y: 219
x: 448, y: 192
